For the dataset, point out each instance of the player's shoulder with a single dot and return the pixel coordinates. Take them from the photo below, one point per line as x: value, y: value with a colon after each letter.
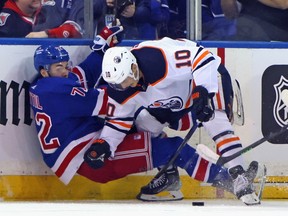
x: 52, y: 85
x: 153, y: 43
x: 167, y: 43
x: 122, y: 96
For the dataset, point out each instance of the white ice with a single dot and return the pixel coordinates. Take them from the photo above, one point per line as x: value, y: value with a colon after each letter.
x: 137, y: 208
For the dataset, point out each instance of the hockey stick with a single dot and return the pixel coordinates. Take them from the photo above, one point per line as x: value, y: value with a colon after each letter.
x: 179, y: 149
x: 224, y: 160
x: 176, y: 195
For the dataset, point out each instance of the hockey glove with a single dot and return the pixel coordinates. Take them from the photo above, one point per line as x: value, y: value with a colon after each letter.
x: 95, y: 155
x: 68, y: 29
x: 106, y: 39
x: 201, y: 104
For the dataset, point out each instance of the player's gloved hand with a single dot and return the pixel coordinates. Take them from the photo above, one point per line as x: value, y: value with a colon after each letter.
x: 68, y: 29
x: 95, y: 155
x: 107, y: 38
x: 201, y: 104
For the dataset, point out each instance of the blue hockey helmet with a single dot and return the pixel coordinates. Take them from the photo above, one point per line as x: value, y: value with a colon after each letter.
x: 46, y: 55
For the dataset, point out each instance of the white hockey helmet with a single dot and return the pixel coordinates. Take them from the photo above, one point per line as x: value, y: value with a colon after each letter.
x: 116, y: 66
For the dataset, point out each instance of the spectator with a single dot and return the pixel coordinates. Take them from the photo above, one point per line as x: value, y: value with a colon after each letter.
x: 18, y: 17
x: 177, y: 22
x: 142, y: 19
x: 215, y: 26
x: 258, y: 20
x: 55, y: 13
x: 160, y: 16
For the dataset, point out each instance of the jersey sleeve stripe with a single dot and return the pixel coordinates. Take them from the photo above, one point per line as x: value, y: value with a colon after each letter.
x: 81, y: 76
x: 199, y: 59
x: 101, y: 107
x: 207, y: 61
x: 125, y: 130
x: 225, y: 141
x: 122, y: 124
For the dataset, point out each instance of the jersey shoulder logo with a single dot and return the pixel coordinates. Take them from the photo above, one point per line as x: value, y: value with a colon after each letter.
x: 3, y: 18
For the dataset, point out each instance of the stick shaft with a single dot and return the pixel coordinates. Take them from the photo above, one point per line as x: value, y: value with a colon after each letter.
x: 223, y: 160
x: 181, y: 146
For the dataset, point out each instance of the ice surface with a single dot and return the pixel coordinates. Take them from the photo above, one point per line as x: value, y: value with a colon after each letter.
x: 137, y: 208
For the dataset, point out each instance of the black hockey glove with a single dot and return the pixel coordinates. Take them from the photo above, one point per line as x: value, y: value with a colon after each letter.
x: 201, y: 104
x: 95, y: 155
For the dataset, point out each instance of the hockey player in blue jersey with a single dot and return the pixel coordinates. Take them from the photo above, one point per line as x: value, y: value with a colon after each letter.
x: 67, y: 111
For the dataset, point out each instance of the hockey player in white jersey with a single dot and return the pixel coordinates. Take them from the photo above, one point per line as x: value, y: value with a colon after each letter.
x: 169, y: 79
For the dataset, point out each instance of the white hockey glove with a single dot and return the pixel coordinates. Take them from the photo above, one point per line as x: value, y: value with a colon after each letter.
x: 107, y: 38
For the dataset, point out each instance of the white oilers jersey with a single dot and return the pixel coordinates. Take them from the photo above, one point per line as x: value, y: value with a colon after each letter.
x: 171, y: 68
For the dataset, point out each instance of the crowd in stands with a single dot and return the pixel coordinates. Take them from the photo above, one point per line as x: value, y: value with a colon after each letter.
x: 46, y: 18
x: 238, y: 20
x: 258, y: 20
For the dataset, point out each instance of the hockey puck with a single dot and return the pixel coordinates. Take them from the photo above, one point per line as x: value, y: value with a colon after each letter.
x: 197, y: 203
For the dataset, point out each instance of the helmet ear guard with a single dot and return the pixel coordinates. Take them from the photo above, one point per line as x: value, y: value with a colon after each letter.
x: 46, y: 55
x: 117, y: 66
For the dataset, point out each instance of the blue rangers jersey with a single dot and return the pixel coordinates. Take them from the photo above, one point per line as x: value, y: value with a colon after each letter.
x: 171, y: 69
x: 62, y: 112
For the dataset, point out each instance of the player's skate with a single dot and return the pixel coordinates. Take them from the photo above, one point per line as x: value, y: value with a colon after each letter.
x: 165, y: 188
x: 243, y: 183
x: 222, y: 182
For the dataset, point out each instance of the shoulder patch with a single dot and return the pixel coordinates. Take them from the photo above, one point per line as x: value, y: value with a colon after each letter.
x: 3, y: 18
x: 49, y: 2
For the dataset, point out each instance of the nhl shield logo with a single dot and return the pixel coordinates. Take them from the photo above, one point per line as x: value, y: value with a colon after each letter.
x: 3, y: 18
x: 274, y: 112
x: 280, y: 110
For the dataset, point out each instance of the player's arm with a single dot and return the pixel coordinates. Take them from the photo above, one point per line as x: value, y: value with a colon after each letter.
x: 205, y: 78
x: 231, y: 8
x: 280, y: 4
x: 118, y: 126
x: 205, y: 69
x: 69, y: 29
x: 91, y: 67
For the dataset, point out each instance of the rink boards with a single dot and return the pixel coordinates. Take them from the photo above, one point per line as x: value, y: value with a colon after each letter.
x: 260, y: 68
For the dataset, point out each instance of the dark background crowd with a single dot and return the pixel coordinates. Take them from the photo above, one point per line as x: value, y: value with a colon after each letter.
x: 235, y: 20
